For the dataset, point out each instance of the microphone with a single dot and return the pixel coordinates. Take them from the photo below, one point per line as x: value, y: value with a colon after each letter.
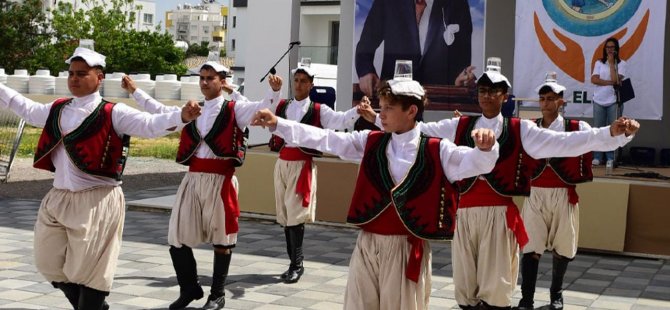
x: 295, y: 43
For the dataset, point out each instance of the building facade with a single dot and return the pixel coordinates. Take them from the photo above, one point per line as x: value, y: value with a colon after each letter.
x: 197, y: 23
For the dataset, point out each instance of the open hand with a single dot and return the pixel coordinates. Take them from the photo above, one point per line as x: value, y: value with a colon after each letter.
x: 368, y: 83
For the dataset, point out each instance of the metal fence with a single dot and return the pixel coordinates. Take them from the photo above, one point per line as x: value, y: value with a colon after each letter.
x: 11, y: 130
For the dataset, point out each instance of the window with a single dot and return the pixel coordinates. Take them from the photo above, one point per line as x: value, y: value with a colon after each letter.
x: 205, y: 29
x: 194, y: 28
x: 148, y: 18
x: 233, y: 45
x: 234, y: 21
x: 194, y: 38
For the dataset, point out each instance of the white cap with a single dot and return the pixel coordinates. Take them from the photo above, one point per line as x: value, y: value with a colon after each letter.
x: 216, y: 66
x: 495, y: 77
x: 550, y: 80
x: 409, y: 88
x: 91, y: 57
x: 304, y: 69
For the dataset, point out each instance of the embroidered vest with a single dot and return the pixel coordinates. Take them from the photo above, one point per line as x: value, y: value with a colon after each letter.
x: 94, y: 147
x: 311, y: 117
x: 571, y: 170
x: 512, y: 172
x: 225, y: 138
x: 425, y: 201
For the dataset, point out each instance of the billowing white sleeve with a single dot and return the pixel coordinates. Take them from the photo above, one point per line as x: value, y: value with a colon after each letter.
x: 543, y: 143
x: 348, y: 146
x: 32, y: 112
x: 460, y: 162
x: 151, y: 105
x: 338, y: 120
x: 445, y: 129
x: 129, y: 121
x: 245, y: 109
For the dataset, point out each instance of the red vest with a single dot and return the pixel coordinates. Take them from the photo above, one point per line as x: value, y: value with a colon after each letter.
x: 225, y: 138
x: 571, y: 170
x: 312, y: 117
x: 512, y: 172
x: 425, y: 201
x: 94, y: 147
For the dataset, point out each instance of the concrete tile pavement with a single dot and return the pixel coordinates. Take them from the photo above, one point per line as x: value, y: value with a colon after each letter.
x: 145, y: 278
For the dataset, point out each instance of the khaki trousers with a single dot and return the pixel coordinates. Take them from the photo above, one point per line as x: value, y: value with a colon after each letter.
x: 290, y: 211
x: 198, y: 215
x: 377, y: 275
x: 485, y: 257
x: 551, y: 221
x: 78, y: 236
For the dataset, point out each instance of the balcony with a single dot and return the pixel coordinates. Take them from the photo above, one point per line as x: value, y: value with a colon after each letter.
x: 319, y: 54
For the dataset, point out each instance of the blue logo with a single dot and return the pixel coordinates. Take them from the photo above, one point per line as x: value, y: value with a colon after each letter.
x: 591, y: 18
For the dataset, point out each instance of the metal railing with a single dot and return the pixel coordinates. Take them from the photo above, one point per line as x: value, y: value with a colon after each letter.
x: 11, y: 131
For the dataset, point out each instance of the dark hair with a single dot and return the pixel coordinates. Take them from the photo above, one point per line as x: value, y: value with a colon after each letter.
x: 616, y: 49
x: 405, y: 101
x: 547, y: 89
x: 79, y: 58
x: 311, y: 78
x: 222, y: 75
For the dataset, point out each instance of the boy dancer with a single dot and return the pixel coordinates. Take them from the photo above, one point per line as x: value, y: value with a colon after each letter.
x: 206, y: 208
x: 551, y: 213
x: 295, y: 172
x: 85, y: 142
x: 403, y: 194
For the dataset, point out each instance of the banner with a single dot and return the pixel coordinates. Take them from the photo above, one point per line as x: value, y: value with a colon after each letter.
x: 444, y: 40
x: 567, y: 36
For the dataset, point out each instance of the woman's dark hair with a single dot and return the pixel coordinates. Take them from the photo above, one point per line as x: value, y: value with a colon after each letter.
x: 616, y: 49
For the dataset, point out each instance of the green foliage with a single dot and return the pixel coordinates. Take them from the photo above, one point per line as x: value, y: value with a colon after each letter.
x: 28, y: 44
x: 21, y: 34
x: 196, y: 49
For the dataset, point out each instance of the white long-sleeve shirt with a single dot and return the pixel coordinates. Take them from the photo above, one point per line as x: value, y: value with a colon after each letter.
x: 537, y: 142
x: 458, y: 162
x: 125, y: 120
x: 244, y: 112
x: 329, y: 118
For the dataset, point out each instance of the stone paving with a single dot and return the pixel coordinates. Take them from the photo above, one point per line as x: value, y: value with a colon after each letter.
x: 145, y: 278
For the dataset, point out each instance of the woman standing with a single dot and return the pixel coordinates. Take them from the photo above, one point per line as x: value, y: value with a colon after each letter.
x: 608, y: 73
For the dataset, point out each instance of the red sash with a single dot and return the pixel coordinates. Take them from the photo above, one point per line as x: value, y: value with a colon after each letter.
x: 304, y: 186
x: 388, y: 223
x: 549, y: 179
x: 226, y: 168
x: 482, y: 195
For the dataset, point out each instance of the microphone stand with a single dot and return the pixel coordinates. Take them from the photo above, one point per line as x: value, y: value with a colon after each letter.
x: 619, y: 108
x: 272, y: 70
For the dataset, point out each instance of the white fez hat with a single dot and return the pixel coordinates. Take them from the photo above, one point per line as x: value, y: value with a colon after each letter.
x: 304, y: 69
x: 550, y: 80
x: 216, y: 66
x: 91, y: 57
x: 492, y: 73
x: 408, y: 88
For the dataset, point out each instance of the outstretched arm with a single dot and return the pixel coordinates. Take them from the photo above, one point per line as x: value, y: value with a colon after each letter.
x: 460, y: 162
x: 143, y: 99
x: 349, y: 146
x: 246, y: 109
x: 129, y: 121
x: 32, y: 112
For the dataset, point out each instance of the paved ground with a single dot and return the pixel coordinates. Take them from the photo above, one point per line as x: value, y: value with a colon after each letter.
x: 145, y: 278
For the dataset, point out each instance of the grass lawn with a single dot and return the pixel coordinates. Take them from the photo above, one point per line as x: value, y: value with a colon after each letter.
x: 165, y: 147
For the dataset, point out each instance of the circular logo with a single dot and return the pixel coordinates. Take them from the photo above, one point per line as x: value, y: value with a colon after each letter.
x: 590, y: 17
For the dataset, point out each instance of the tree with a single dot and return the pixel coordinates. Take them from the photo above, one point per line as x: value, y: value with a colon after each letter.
x: 22, y: 32
x: 196, y: 49
x: 108, y: 23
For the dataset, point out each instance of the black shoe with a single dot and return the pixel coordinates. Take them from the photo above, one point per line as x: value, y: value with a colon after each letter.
x: 294, y: 274
x: 284, y: 275
x: 556, y: 303
x: 215, y: 303
x: 185, y: 298
x: 522, y: 308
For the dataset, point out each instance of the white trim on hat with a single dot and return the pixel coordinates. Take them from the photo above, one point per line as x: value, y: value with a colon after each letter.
x: 495, y: 77
x: 555, y: 87
x: 307, y: 70
x: 216, y: 66
x: 91, y: 57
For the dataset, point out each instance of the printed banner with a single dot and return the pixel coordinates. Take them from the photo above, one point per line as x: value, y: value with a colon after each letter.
x: 444, y: 40
x: 568, y: 36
